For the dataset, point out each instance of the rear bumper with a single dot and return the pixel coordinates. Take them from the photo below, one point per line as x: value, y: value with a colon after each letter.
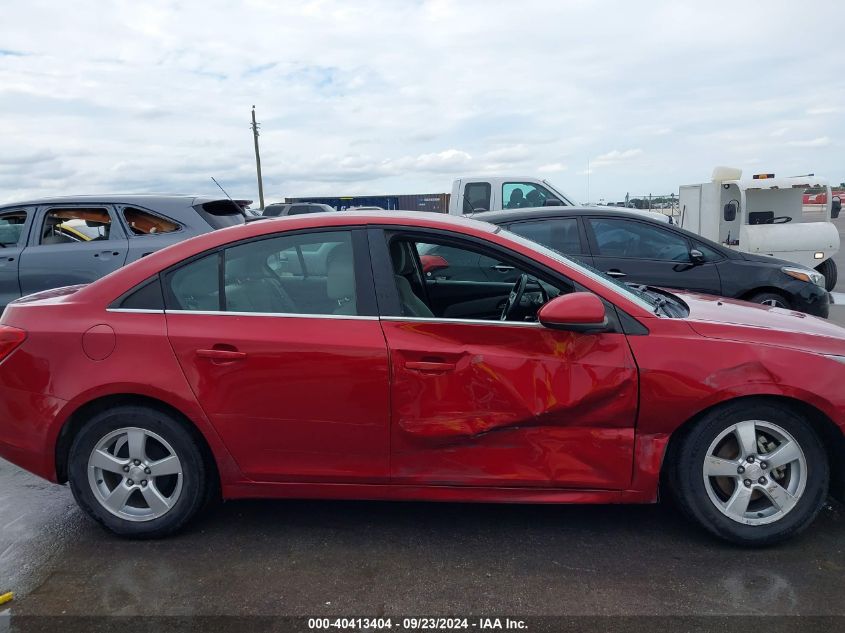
x: 27, y: 437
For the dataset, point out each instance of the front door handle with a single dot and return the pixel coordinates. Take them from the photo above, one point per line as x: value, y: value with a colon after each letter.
x: 429, y: 367
x: 107, y: 254
x: 221, y: 355
x: 501, y: 268
x: 616, y: 273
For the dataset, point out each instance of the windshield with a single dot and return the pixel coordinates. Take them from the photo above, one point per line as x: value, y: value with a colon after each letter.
x: 646, y: 299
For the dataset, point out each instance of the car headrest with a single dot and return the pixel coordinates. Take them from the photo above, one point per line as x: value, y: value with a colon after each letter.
x: 340, y: 273
x: 399, y: 257
x: 237, y: 269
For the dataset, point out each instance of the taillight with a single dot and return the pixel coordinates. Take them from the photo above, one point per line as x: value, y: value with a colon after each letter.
x: 10, y: 339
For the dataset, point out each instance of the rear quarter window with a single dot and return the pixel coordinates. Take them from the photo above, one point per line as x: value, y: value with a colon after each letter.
x: 221, y: 213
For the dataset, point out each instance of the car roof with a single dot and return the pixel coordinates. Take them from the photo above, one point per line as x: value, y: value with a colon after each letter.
x: 532, y: 213
x: 539, y: 213
x: 141, y: 199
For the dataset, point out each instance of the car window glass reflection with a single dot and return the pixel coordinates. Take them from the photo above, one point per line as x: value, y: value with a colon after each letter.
x: 296, y: 274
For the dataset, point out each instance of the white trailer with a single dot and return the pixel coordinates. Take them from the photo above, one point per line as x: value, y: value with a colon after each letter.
x: 764, y: 215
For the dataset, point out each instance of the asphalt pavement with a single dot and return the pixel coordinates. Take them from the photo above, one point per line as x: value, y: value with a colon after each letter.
x: 322, y: 558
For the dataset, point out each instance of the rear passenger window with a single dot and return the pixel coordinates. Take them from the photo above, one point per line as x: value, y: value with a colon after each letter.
x: 560, y: 234
x: 144, y: 223
x: 147, y: 297
x: 75, y: 226
x: 196, y: 286
x: 307, y: 273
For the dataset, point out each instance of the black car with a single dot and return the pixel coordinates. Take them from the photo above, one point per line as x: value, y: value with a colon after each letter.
x: 636, y: 249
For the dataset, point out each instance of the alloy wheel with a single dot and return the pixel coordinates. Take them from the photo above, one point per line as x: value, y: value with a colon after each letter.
x: 135, y: 474
x: 755, y: 472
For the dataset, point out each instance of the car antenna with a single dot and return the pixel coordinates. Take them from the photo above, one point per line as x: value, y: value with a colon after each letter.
x: 240, y: 208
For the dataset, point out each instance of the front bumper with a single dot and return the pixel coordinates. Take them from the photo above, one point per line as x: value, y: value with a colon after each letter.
x: 809, y: 298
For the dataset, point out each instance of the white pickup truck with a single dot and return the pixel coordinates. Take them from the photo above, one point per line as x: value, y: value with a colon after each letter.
x: 494, y: 193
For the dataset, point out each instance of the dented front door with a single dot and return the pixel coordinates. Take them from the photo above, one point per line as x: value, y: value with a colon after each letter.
x: 509, y: 404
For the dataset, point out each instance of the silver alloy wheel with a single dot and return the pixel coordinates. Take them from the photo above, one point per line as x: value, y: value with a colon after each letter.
x: 755, y: 472
x: 774, y: 303
x: 135, y: 474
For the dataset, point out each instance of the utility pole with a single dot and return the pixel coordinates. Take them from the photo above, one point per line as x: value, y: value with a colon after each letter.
x: 588, y: 181
x: 257, y: 159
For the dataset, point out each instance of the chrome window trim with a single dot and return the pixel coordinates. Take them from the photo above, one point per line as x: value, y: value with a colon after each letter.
x: 283, y: 315
x: 135, y: 310
x: 346, y: 317
x: 465, y: 321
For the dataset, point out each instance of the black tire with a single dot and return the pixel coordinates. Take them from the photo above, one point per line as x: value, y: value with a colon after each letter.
x: 771, y: 298
x: 828, y: 269
x: 686, y: 480
x: 195, y: 488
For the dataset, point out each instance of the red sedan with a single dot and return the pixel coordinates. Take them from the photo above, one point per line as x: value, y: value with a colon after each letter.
x: 312, y: 356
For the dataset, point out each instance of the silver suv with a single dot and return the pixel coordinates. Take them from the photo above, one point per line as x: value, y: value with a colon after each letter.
x: 76, y: 239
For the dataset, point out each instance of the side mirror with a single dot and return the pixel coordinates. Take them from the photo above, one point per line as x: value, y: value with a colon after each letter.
x: 432, y: 263
x: 730, y: 212
x: 552, y: 202
x: 576, y: 312
x: 696, y: 256
x: 835, y: 207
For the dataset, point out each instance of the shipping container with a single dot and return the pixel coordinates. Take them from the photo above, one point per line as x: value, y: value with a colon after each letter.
x: 434, y: 202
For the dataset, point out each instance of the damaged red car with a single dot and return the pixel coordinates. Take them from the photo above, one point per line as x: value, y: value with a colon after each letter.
x: 316, y: 357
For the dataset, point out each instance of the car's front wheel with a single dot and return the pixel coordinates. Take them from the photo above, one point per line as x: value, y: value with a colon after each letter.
x: 771, y: 299
x: 751, y: 472
x: 137, y: 471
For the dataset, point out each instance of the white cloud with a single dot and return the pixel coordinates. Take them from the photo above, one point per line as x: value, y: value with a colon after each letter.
x: 823, y: 110
x: 395, y: 97
x: 552, y: 167
x: 821, y: 141
x: 615, y: 157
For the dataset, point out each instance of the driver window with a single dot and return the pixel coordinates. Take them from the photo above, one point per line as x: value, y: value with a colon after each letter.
x: 11, y: 227
x: 447, y: 280
x: 625, y: 238
x: 520, y: 195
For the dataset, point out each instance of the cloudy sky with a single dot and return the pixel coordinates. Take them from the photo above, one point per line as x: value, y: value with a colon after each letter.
x: 402, y: 96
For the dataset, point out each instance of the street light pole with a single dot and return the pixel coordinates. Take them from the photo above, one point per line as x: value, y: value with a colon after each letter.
x: 257, y: 160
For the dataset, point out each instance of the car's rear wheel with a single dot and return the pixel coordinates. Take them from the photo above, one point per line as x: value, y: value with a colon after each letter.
x: 137, y: 471
x: 771, y: 299
x: 828, y: 269
x: 751, y: 472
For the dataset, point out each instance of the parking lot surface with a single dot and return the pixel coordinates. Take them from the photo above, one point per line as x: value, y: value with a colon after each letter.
x: 374, y: 559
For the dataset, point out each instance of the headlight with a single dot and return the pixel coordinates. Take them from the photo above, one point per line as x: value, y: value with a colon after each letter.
x: 838, y: 359
x: 805, y: 274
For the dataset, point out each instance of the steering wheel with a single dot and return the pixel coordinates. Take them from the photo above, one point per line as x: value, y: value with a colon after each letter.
x: 514, y: 297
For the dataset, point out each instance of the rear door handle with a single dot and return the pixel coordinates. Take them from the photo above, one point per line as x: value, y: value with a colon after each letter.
x: 224, y: 355
x: 616, y: 273
x: 429, y: 367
